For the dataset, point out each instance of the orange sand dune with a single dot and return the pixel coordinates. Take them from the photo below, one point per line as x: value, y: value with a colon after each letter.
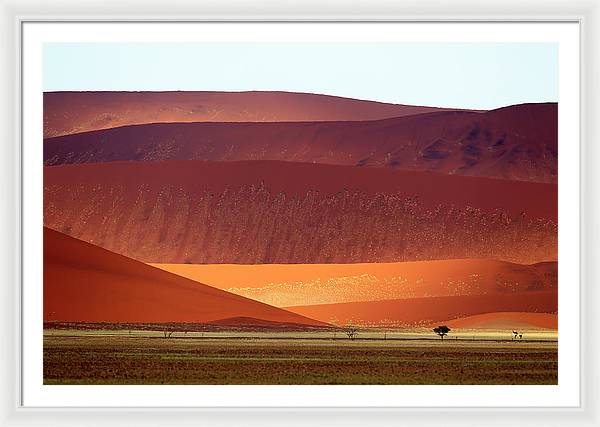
x: 264, y: 212
x: 307, y: 284
x: 425, y: 311
x: 507, y: 320
x: 516, y: 142
x: 71, y: 112
x: 85, y: 283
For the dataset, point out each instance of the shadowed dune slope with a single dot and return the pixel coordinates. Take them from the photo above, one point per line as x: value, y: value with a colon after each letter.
x: 73, y: 112
x: 266, y: 212
x: 517, y: 142
x: 303, y: 284
x: 425, y: 311
x: 507, y: 320
x: 297, y: 179
x: 85, y: 283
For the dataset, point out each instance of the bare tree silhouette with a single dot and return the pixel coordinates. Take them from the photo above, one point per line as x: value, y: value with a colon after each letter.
x: 351, y: 331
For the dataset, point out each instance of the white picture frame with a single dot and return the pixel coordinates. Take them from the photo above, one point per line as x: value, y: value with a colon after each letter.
x: 16, y: 13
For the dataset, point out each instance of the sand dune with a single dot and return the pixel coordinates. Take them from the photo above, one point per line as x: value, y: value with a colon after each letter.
x: 297, y: 179
x: 72, y: 112
x: 426, y: 311
x: 517, y: 142
x: 280, y: 212
x: 85, y: 283
x: 303, y: 284
x: 506, y: 320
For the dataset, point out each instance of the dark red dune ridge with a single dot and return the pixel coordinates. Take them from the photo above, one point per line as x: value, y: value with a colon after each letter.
x: 85, y: 283
x: 517, y: 142
x: 426, y: 311
x: 261, y: 212
x: 73, y: 112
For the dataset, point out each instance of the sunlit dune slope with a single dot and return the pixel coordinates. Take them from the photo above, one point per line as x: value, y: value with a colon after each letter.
x: 71, y: 112
x: 303, y: 284
x: 425, y: 311
x: 85, y: 283
x: 260, y: 212
x: 506, y: 320
x: 517, y: 142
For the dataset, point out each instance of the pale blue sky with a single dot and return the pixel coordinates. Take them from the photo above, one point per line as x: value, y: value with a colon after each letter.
x: 467, y: 75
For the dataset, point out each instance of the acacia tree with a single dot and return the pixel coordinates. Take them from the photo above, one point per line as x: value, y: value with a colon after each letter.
x: 441, y: 331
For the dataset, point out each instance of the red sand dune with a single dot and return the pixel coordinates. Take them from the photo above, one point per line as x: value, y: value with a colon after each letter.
x: 85, y: 283
x: 72, y: 112
x: 297, y: 179
x: 306, y: 284
x: 426, y: 311
x: 506, y: 320
x: 279, y: 212
x: 517, y: 142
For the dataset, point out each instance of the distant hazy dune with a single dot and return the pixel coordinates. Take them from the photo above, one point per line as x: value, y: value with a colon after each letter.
x: 517, y: 142
x: 72, y: 112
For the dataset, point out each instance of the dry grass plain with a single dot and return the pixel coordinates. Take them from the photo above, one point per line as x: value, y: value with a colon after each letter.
x: 143, y: 357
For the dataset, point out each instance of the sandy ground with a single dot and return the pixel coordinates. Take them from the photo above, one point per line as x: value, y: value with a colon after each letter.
x: 72, y: 357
